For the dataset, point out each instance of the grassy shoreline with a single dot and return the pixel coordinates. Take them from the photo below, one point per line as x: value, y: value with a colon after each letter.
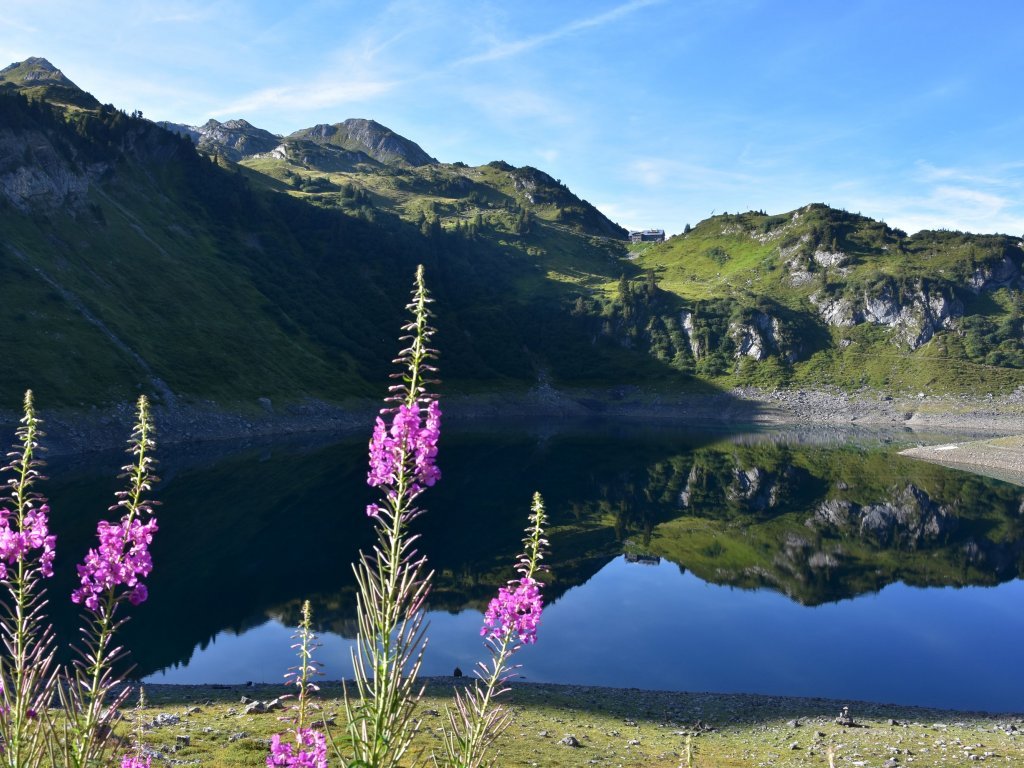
x: 208, y: 725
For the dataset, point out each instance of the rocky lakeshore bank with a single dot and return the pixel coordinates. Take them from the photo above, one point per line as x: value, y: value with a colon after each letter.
x: 558, y: 726
x: 82, y: 430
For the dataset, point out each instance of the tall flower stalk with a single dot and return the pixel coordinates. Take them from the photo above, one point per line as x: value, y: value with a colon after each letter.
x: 110, y: 574
x: 511, y: 620
x: 393, y: 581
x: 26, y: 557
x: 309, y: 747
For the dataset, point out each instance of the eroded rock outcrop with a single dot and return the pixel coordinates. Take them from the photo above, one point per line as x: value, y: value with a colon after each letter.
x: 762, y: 335
x: 689, y: 328
x: 915, y: 316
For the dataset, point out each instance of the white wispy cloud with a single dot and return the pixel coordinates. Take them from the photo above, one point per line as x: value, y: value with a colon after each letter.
x: 671, y: 173
x: 18, y: 25
x: 507, y: 49
x: 322, y: 93
x: 1000, y: 176
x: 944, y: 206
x: 523, y: 106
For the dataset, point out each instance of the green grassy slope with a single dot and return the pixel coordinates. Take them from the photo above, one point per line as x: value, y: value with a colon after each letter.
x: 132, y: 261
x: 954, y: 301
x: 190, y: 277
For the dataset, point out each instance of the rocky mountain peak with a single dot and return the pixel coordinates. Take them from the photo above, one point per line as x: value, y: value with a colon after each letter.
x: 40, y: 79
x: 34, y: 71
x: 234, y: 139
x: 239, y: 124
x: 368, y: 136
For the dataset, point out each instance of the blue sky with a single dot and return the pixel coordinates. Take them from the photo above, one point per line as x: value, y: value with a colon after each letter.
x: 657, y: 111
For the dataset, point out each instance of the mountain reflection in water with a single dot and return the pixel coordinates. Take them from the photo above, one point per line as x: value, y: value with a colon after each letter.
x: 246, y: 535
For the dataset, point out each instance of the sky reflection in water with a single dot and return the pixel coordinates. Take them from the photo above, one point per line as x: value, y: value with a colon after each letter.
x: 649, y: 626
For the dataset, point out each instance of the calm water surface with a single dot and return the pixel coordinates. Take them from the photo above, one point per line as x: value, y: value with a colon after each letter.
x: 776, y: 563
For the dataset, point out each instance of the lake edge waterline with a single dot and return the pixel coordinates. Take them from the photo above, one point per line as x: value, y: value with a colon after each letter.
x: 556, y: 453
x: 74, y: 431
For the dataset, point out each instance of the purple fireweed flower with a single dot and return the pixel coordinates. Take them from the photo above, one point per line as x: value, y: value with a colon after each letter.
x: 311, y: 751
x: 120, y: 560
x: 514, y: 612
x: 16, y: 543
x: 135, y: 762
x: 412, y: 439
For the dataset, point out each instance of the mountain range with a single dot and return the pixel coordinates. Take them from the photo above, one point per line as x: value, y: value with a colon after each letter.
x: 223, y: 262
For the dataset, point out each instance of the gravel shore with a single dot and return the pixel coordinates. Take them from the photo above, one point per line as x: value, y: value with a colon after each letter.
x: 564, y: 726
x: 83, y: 430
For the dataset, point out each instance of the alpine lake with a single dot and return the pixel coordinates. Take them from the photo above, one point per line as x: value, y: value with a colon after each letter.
x: 782, y: 562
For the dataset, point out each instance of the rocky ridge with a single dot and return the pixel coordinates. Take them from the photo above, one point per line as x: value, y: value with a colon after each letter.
x: 233, y: 139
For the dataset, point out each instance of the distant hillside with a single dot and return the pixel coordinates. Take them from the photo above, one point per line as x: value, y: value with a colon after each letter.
x: 224, y: 262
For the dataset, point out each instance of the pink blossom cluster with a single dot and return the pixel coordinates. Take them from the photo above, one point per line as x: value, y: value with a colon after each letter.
x: 515, y: 612
x: 121, y: 559
x: 411, y: 440
x: 311, y: 751
x: 129, y: 761
x: 15, y: 544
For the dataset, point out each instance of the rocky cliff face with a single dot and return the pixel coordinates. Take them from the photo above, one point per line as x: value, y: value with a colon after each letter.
x: 35, y: 175
x: 915, y: 314
x: 689, y: 328
x: 763, y: 335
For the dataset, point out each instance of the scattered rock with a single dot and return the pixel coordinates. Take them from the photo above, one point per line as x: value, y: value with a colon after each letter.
x: 570, y: 741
